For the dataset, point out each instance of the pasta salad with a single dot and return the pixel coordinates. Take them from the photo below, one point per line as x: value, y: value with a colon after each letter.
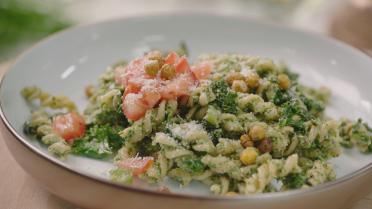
x: 240, y: 124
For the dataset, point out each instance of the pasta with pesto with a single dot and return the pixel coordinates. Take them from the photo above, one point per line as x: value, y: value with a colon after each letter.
x: 240, y: 124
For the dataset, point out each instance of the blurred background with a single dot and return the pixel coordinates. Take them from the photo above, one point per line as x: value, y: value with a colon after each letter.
x: 24, y: 22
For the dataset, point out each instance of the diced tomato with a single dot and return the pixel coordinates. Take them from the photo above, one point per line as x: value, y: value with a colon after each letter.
x: 202, y: 71
x: 134, y: 69
x: 137, y: 165
x: 151, y: 98
x: 133, y: 106
x: 177, y: 87
x: 182, y: 65
x: 131, y: 88
x: 143, y: 92
x: 168, y: 93
x: 171, y: 58
x: 69, y: 126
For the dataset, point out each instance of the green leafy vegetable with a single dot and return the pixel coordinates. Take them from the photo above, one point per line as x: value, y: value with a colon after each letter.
x: 192, y: 165
x: 112, y: 117
x: 225, y: 99
x: 361, y: 135
x: 280, y: 97
x: 314, y: 107
x: 100, y: 141
x: 28, y: 129
x: 295, y: 180
x: 146, y: 148
x: 294, y: 114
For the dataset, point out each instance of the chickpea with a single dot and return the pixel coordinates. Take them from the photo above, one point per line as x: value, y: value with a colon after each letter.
x: 257, y: 132
x: 264, y: 66
x: 265, y: 146
x: 248, y: 156
x: 283, y: 81
x: 217, y: 76
x: 152, y: 67
x: 239, y: 86
x: 167, y: 72
x: 252, y: 80
x: 231, y: 77
x: 156, y: 55
x: 89, y: 91
x: 246, y: 141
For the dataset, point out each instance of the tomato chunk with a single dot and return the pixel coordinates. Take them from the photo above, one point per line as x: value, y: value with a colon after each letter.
x: 137, y: 165
x: 177, y: 87
x: 171, y: 58
x: 133, y: 106
x: 202, y: 70
x: 69, y: 126
x: 131, y: 88
x: 144, y: 91
x: 151, y: 98
x: 133, y: 70
x: 182, y: 65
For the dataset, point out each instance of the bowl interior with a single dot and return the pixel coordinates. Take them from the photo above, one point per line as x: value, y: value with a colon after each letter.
x: 66, y: 63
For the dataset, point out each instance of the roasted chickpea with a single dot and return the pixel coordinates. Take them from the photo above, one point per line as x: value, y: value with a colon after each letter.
x: 284, y: 81
x: 265, y: 146
x: 231, y: 77
x: 89, y: 91
x: 152, y: 67
x: 156, y: 55
x: 264, y: 66
x: 167, y: 72
x: 252, y: 80
x: 246, y: 141
x: 239, y: 86
x: 248, y: 156
x: 257, y: 132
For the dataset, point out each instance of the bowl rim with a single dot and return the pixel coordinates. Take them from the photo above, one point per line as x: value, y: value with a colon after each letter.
x: 184, y: 14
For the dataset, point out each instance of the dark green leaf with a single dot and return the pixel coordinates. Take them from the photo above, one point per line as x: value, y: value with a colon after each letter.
x: 225, y: 99
x: 295, y: 180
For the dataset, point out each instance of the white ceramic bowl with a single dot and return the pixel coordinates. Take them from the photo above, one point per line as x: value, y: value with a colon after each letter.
x: 65, y: 63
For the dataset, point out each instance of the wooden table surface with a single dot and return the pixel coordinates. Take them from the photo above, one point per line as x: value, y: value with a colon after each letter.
x: 19, y: 191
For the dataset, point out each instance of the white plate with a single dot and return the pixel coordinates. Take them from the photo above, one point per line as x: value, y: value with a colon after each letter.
x: 65, y: 63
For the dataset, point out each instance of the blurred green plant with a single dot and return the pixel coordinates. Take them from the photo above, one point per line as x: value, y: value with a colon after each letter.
x: 24, y: 21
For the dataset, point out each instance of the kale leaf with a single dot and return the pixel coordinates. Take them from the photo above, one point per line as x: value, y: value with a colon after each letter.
x: 281, y: 97
x: 294, y: 180
x: 225, y: 99
x: 100, y: 141
x: 314, y: 107
x: 146, y: 148
x: 112, y: 116
x: 191, y: 165
x: 294, y: 114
